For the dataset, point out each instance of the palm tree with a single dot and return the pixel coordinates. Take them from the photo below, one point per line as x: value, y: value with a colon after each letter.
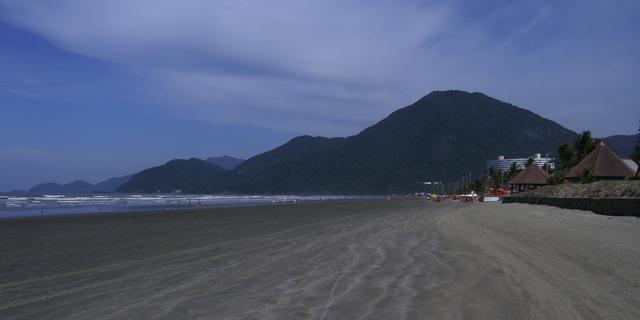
x: 570, y: 156
x: 584, y: 145
x: 496, y: 175
x: 567, y: 156
x: 513, y: 171
x: 529, y: 162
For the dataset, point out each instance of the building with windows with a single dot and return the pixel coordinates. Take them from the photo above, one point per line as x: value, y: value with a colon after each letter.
x: 503, y: 165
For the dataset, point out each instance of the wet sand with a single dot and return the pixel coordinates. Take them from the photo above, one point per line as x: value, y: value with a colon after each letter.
x: 347, y: 260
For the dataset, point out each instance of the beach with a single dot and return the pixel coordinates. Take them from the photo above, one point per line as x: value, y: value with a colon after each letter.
x: 375, y: 259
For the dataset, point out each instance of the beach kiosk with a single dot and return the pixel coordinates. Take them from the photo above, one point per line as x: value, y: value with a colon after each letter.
x: 530, y: 178
x: 604, y: 165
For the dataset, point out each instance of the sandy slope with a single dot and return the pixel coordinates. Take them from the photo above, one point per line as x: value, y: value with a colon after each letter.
x: 556, y: 263
x: 358, y: 260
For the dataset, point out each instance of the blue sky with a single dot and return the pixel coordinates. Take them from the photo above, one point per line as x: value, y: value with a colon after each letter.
x: 95, y: 89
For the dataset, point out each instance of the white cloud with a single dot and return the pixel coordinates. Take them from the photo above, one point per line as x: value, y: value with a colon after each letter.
x: 243, y: 60
x: 328, y: 67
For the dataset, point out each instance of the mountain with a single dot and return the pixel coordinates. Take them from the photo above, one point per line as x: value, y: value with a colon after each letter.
x: 80, y: 186
x: 190, y: 176
x: 441, y: 137
x: 296, y: 149
x: 226, y: 162
x: 265, y: 172
x: 623, y: 145
x: 111, y: 184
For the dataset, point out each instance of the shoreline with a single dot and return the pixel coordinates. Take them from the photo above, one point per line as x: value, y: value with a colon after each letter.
x: 95, y: 210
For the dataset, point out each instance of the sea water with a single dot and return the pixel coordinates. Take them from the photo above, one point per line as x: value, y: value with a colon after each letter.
x: 56, y: 204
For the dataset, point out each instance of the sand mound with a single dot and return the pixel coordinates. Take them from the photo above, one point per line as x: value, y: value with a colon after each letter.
x: 600, y: 189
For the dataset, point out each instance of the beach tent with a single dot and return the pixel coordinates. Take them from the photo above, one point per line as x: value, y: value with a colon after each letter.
x: 604, y: 164
x: 530, y: 176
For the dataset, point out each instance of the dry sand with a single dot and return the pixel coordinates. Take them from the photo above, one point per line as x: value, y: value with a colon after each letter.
x: 351, y: 260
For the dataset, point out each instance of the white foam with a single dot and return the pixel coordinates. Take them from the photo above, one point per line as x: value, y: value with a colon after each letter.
x: 11, y: 206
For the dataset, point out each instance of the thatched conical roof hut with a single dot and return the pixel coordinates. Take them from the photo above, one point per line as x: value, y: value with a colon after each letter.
x: 531, y: 176
x: 603, y: 163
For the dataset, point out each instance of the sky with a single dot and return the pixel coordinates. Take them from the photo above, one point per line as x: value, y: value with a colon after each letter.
x: 96, y: 89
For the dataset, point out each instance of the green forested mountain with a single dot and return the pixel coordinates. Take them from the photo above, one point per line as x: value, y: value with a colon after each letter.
x: 296, y: 149
x: 190, y: 176
x: 226, y: 162
x: 269, y: 171
x: 441, y: 137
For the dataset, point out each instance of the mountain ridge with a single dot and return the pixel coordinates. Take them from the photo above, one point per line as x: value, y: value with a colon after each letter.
x: 421, y: 142
x: 226, y: 162
x: 440, y: 137
x: 80, y: 186
x: 190, y: 176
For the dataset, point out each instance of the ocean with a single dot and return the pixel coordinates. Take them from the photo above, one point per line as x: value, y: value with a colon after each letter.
x: 16, y: 206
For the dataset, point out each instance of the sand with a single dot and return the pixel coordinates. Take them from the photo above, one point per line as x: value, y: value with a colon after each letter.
x: 396, y: 259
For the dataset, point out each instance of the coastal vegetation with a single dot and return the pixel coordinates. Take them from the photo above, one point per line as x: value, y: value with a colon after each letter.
x: 569, y: 155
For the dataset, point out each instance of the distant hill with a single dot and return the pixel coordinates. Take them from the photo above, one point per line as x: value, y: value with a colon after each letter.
x: 17, y: 191
x: 265, y: 172
x: 111, y: 184
x: 296, y: 149
x: 80, y: 186
x: 190, y: 176
x: 622, y: 144
x: 441, y: 137
x: 226, y: 162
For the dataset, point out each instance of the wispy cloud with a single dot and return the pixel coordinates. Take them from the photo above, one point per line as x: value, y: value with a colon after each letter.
x: 332, y: 67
